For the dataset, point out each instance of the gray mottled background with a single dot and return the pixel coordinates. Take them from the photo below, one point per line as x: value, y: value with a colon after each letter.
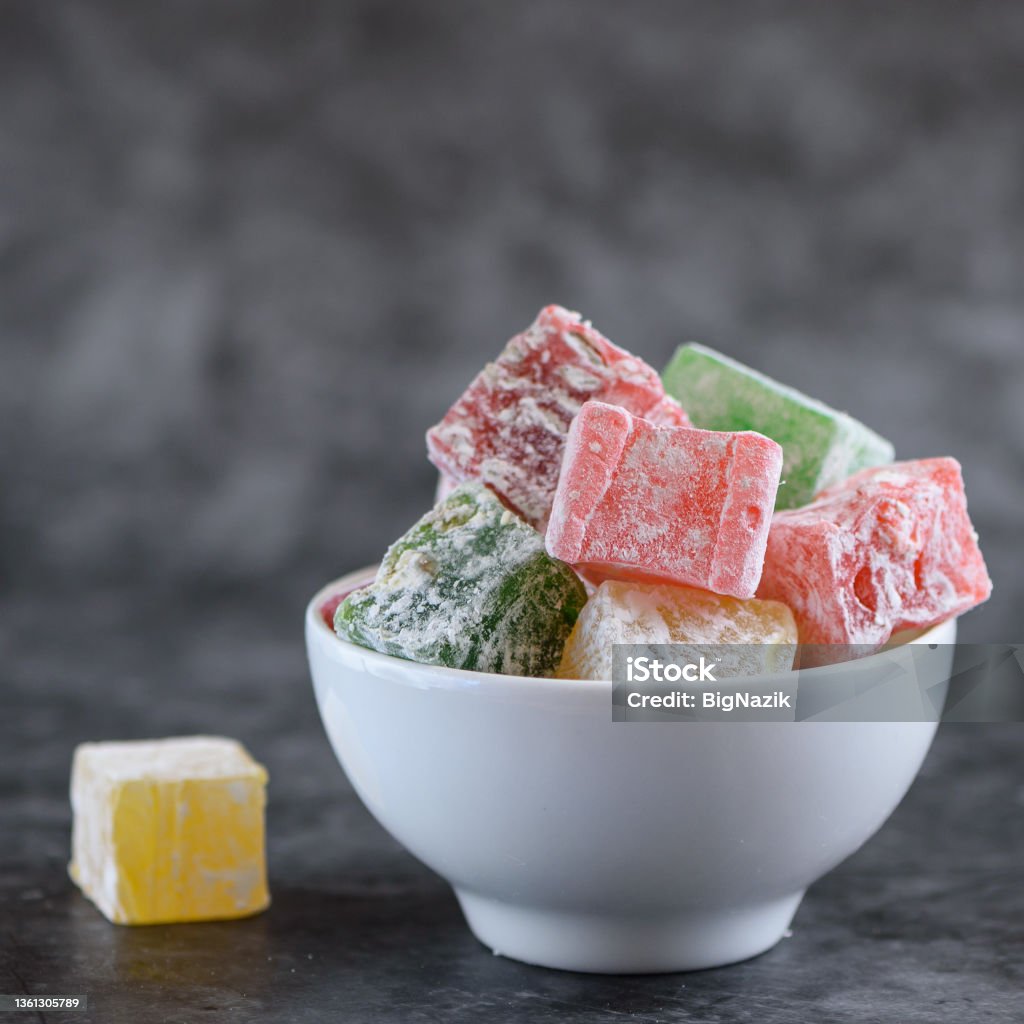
x: 249, y: 252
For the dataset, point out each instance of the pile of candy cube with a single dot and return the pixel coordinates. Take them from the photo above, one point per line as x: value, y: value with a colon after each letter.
x: 587, y: 501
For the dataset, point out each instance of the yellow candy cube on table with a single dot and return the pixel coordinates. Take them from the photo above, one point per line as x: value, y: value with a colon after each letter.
x: 169, y: 830
x: 636, y: 613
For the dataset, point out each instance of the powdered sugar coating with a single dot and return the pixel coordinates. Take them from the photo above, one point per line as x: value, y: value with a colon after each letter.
x: 508, y: 429
x: 469, y: 586
x: 891, y: 548
x: 445, y: 485
x: 761, y: 635
x: 639, y: 501
x: 820, y: 445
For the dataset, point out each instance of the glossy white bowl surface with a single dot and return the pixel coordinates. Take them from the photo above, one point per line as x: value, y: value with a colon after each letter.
x: 576, y: 842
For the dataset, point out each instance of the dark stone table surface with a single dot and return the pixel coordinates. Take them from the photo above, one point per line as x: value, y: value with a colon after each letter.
x: 924, y: 924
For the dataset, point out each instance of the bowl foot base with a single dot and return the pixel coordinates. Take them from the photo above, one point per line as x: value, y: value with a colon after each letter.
x: 689, y: 940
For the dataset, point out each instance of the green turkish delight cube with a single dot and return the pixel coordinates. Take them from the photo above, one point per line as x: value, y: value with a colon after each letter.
x: 469, y: 586
x: 820, y: 446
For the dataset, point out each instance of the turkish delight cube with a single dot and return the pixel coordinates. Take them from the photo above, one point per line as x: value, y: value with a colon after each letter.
x: 469, y: 586
x: 508, y: 429
x: 820, y: 446
x: 675, y: 504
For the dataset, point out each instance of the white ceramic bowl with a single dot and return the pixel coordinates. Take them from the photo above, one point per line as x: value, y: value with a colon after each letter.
x: 576, y: 842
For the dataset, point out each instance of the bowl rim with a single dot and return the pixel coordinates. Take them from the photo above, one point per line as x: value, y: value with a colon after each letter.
x: 442, y: 675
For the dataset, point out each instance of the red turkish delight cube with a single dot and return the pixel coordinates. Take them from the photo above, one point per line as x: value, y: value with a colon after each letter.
x: 508, y: 430
x: 890, y: 548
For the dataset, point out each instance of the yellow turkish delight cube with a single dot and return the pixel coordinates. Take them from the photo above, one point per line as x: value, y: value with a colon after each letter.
x: 169, y: 830
x: 746, y: 637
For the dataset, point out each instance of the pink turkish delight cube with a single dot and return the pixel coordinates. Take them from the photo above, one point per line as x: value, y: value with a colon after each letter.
x: 640, y: 501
